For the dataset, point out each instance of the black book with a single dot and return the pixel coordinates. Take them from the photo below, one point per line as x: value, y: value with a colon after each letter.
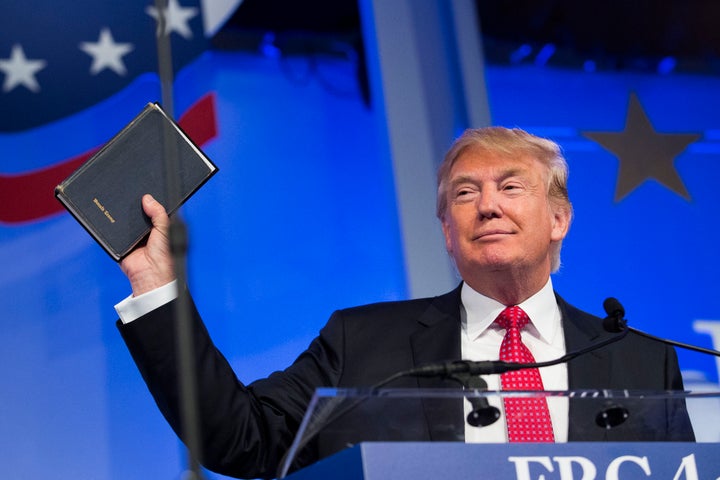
x: 104, y: 194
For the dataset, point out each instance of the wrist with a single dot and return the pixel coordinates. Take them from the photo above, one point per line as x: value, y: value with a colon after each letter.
x: 147, y: 283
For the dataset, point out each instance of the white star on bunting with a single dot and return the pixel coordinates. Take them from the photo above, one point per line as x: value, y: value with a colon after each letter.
x: 176, y: 18
x: 19, y: 70
x: 106, y: 53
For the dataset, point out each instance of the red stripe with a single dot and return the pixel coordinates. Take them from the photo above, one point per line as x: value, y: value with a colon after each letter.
x: 30, y: 196
x: 200, y: 120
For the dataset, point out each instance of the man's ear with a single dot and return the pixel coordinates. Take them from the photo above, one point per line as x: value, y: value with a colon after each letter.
x: 562, y: 216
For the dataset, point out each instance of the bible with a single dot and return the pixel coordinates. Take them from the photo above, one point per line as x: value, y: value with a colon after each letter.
x: 104, y: 194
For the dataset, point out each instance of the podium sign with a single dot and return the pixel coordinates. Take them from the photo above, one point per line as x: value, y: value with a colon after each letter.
x: 571, y: 461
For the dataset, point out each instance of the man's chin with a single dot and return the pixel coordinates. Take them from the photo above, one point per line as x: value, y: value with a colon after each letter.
x: 489, y: 265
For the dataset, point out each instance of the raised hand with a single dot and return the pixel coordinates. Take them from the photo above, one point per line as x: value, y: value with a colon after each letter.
x: 150, y: 265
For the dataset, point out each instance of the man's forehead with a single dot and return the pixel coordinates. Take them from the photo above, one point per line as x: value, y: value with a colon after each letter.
x: 498, y: 163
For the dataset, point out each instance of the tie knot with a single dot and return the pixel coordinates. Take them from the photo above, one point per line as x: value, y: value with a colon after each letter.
x: 513, y: 317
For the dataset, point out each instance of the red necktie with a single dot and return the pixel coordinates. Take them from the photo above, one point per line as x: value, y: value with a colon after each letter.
x: 528, y: 419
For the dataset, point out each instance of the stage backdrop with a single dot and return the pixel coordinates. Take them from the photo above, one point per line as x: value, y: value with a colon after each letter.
x: 301, y: 218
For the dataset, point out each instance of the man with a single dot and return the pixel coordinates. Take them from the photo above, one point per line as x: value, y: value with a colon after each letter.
x: 504, y: 212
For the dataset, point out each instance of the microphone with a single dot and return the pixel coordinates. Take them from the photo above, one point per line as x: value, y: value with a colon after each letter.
x: 615, y: 322
x: 611, y: 416
x: 615, y: 414
x: 482, y: 413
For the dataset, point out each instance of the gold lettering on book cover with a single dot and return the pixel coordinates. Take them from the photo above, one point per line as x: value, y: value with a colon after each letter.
x: 103, y: 210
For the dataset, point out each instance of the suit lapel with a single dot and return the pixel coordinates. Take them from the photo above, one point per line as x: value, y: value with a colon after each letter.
x: 438, y: 340
x: 585, y: 371
x: 581, y: 329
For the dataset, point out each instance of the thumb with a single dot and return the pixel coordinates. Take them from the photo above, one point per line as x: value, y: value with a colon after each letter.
x: 155, y: 211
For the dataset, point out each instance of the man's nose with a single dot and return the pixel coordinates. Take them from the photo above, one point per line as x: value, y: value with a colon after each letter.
x: 488, y: 203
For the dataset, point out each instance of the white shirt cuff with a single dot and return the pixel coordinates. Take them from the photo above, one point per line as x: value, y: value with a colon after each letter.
x: 133, y: 308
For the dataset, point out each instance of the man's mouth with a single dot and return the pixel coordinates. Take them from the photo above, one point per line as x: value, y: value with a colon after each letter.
x: 489, y: 234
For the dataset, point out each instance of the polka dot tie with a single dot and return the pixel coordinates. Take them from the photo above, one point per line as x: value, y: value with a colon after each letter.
x: 528, y: 419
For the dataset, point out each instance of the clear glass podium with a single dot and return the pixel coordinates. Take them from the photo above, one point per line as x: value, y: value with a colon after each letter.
x: 421, y: 429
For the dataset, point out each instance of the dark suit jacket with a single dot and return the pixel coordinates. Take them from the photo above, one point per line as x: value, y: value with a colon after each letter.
x: 247, y: 429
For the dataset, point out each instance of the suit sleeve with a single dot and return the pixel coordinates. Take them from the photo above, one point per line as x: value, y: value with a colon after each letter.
x: 679, y: 425
x: 245, y: 429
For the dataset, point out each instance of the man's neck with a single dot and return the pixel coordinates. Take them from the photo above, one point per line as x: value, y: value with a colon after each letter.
x: 508, y: 288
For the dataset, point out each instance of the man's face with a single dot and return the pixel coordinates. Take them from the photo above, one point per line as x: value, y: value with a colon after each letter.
x: 498, y: 217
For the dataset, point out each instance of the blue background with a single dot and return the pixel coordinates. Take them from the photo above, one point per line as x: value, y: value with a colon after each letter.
x: 301, y: 220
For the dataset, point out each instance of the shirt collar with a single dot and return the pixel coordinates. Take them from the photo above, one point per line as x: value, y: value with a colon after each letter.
x: 479, y: 312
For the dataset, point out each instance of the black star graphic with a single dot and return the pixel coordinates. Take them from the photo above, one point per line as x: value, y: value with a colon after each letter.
x: 644, y: 153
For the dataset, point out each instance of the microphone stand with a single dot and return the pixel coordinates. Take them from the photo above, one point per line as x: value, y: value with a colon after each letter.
x: 675, y: 343
x: 178, y: 240
x: 615, y: 310
x: 482, y: 413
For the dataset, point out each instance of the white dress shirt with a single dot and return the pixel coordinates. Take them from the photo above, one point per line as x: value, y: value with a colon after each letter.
x: 481, y: 339
x: 132, y: 308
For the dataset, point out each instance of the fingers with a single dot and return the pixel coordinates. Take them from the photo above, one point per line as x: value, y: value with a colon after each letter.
x: 158, y: 240
x: 150, y: 265
x: 155, y: 211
